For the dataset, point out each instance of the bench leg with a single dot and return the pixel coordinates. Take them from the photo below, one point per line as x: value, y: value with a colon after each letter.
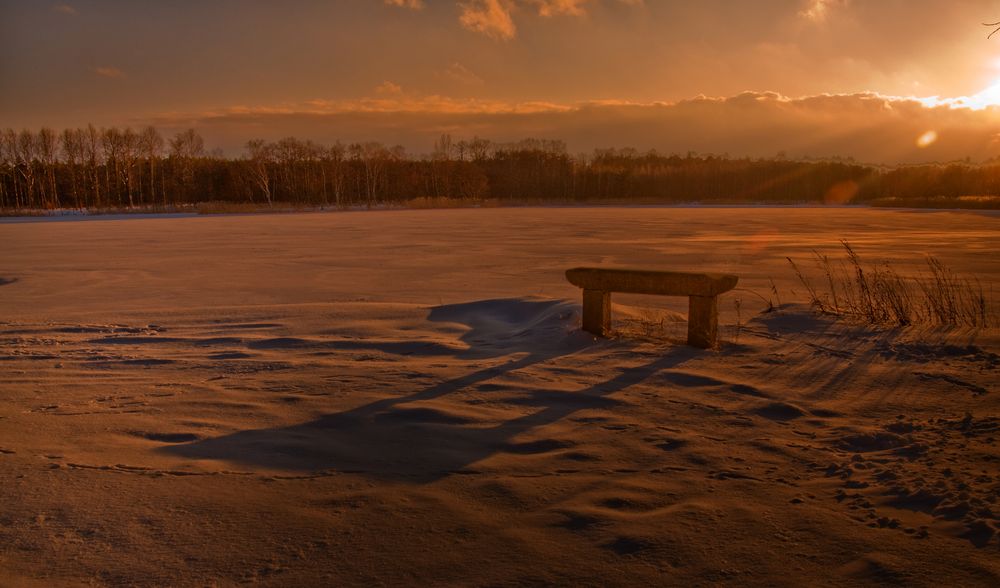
x: 596, y: 312
x: 703, y: 321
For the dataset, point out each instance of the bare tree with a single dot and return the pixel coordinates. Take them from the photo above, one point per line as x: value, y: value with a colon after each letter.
x: 99, y: 168
x: 373, y: 157
x: 442, y: 148
x: 479, y: 149
x: 151, y: 147
x: 261, y: 158
x: 187, y: 144
x: 441, y: 166
x: 25, y: 153
x: 112, y: 144
x: 48, y: 149
x: 92, y: 154
x: 72, y: 148
x: 289, y: 152
x: 131, y: 151
x: 315, y: 170
x: 470, y: 182
x: 333, y: 160
x: 184, y: 148
x: 9, y: 160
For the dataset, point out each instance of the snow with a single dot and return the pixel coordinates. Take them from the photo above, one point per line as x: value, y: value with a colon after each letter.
x: 404, y: 397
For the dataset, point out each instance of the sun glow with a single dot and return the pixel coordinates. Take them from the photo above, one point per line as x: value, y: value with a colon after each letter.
x: 988, y: 98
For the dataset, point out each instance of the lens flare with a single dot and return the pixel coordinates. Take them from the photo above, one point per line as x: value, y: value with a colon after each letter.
x: 841, y: 192
x: 927, y: 139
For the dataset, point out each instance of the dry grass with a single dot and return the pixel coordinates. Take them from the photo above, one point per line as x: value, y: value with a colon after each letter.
x: 227, y: 207
x: 972, y: 202
x: 108, y: 210
x: 434, y: 202
x: 426, y: 202
x: 877, y: 294
x: 220, y: 207
x: 738, y: 306
x: 653, y: 324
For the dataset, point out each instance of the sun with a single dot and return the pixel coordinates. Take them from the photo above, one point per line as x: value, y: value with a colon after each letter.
x: 988, y: 97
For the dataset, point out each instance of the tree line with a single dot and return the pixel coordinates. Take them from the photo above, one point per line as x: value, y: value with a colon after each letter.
x: 102, y: 168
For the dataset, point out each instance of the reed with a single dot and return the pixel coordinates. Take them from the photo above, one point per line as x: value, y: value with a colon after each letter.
x: 877, y: 294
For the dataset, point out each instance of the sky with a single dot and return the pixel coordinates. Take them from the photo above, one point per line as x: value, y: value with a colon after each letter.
x: 882, y: 81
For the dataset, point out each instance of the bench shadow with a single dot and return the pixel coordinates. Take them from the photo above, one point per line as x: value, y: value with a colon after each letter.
x: 389, y: 440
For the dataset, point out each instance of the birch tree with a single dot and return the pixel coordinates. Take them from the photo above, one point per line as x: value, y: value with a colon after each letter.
x: 47, y: 147
x: 151, y: 147
x: 261, y: 159
x: 184, y: 148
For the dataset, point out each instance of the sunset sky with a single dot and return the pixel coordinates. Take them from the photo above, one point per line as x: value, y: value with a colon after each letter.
x: 805, y: 77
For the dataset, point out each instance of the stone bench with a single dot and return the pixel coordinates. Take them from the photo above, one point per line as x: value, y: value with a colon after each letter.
x: 702, y: 291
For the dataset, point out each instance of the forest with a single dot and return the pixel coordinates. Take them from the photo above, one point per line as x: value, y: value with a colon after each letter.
x: 115, y: 169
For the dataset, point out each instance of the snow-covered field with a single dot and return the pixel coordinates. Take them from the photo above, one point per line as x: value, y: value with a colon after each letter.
x: 404, y: 397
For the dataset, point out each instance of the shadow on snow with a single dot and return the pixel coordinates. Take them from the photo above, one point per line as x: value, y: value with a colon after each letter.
x: 389, y: 439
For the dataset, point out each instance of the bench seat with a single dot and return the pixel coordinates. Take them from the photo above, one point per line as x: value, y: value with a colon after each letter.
x: 702, y: 290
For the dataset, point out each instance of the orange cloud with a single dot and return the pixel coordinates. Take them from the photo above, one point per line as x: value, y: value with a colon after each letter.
x: 63, y: 8
x: 866, y: 126
x: 411, y: 4
x: 493, y: 18
x: 819, y: 10
x: 109, y: 72
x: 489, y: 17
x: 389, y: 89
x: 456, y: 72
x: 433, y: 104
x: 555, y: 7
